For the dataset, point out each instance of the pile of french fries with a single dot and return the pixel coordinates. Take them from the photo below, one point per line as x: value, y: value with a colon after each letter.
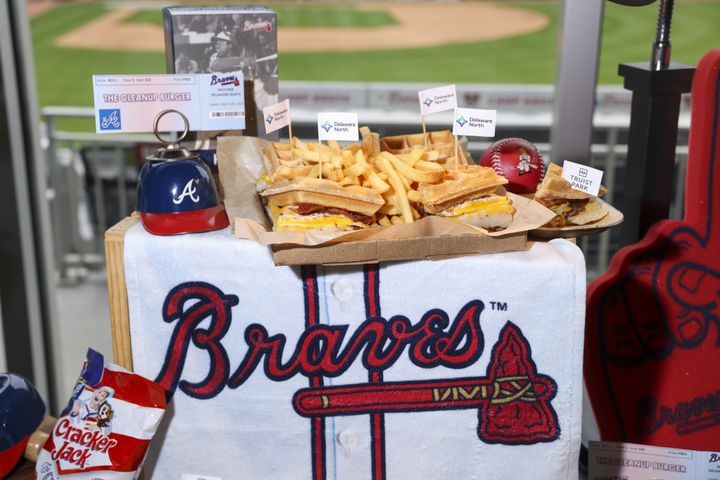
x: 395, y: 177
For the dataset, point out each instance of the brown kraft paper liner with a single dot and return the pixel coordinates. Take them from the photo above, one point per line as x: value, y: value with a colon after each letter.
x: 242, y: 160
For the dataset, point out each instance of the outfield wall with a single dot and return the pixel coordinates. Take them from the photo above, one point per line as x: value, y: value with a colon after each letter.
x: 403, y: 97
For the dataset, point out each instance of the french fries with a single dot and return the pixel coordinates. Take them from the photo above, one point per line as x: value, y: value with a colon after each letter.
x: 395, y: 177
x: 420, y: 176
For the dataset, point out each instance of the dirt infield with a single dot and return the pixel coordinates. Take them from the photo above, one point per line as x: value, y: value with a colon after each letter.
x: 418, y: 25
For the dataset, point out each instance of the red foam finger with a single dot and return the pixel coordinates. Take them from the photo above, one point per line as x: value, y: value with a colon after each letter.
x: 669, y: 286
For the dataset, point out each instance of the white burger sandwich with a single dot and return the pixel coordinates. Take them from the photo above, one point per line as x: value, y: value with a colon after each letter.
x: 318, y: 204
x: 470, y: 194
x: 571, y: 206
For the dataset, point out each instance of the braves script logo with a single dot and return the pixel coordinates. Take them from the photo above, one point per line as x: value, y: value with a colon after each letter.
x: 188, y: 191
x: 223, y: 81
x: 258, y: 26
x: 513, y: 398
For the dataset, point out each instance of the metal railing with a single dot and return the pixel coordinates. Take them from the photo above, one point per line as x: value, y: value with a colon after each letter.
x: 92, y: 177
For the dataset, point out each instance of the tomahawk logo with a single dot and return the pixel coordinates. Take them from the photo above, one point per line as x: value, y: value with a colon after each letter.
x: 188, y: 191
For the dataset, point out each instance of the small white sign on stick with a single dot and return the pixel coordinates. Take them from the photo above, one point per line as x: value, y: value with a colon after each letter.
x: 583, y: 178
x: 437, y: 99
x: 338, y: 126
x: 277, y: 116
x: 474, y: 123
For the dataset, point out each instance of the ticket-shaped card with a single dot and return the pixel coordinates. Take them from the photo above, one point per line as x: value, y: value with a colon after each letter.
x: 630, y: 461
x: 129, y: 103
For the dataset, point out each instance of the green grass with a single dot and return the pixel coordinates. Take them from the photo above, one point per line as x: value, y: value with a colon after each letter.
x: 64, y: 75
x: 628, y: 34
x: 303, y: 15
x: 522, y: 59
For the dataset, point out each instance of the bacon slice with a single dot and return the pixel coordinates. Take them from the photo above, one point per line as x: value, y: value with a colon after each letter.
x: 310, y: 208
x: 561, y: 219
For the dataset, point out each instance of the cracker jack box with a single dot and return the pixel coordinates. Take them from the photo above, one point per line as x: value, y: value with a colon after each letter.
x: 211, y: 39
x: 456, y: 368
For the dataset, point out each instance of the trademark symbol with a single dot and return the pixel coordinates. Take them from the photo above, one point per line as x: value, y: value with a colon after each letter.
x: 499, y: 306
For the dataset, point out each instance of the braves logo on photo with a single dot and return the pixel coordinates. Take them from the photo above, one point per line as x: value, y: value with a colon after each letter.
x: 258, y: 26
x: 224, y: 81
x: 189, y: 190
x: 513, y: 400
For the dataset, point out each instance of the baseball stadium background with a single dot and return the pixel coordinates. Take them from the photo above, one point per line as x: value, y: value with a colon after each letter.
x: 503, y: 46
x: 503, y: 42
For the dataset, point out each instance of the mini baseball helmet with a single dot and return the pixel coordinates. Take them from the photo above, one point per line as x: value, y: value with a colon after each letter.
x: 176, y: 192
x: 21, y: 412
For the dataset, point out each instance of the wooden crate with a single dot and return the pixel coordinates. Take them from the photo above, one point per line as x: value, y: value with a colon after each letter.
x: 117, y: 292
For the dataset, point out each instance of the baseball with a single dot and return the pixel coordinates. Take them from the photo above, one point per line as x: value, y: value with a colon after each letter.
x: 519, y: 161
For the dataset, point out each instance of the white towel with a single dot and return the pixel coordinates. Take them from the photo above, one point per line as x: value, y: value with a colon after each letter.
x: 248, y: 428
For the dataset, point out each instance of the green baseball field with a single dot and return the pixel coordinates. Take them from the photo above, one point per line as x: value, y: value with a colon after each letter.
x: 64, y: 68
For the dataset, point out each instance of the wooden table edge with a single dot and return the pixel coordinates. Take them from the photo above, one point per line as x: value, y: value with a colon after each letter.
x: 117, y: 291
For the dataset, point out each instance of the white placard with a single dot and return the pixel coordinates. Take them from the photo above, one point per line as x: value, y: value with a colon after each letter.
x: 583, y: 178
x: 437, y: 99
x: 631, y: 461
x: 129, y: 103
x: 276, y: 116
x: 474, y: 123
x: 338, y: 126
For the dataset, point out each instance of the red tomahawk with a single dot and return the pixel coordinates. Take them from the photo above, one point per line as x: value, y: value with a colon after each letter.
x: 513, y: 400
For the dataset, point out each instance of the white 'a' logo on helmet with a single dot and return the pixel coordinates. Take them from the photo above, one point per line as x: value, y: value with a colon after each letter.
x: 188, y: 191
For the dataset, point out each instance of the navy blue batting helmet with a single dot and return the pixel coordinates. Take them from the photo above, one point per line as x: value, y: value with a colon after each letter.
x: 176, y: 192
x: 179, y: 196
x: 21, y: 412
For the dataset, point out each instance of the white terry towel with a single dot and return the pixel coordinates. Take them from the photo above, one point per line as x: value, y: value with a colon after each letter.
x: 237, y: 338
